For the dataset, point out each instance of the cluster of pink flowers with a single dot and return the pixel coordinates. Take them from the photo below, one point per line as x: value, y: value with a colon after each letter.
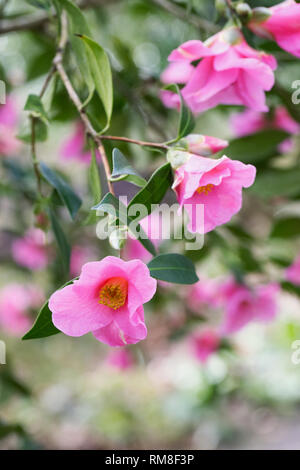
x: 249, y: 121
x: 9, y: 144
x: 16, y: 303
x: 229, y: 72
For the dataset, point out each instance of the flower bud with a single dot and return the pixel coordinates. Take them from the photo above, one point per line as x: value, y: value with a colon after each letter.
x: 260, y: 14
x: 203, y: 145
x: 220, y: 6
x: 244, y: 10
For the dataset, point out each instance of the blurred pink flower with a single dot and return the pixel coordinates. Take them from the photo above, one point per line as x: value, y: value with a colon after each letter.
x: 217, y: 184
x: 30, y: 251
x: 293, y: 272
x: 230, y: 72
x: 9, y: 144
x: 152, y: 226
x: 244, y: 305
x: 79, y: 256
x: 280, y: 23
x: 106, y: 300
x: 16, y: 301
x: 249, y: 122
x: 120, y: 359
x: 74, y: 146
x: 204, y: 343
x: 203, y: 293
x: 203, y: 145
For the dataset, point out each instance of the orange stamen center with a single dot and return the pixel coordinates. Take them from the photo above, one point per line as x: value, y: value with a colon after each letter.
x: 113, y: 293
x: 205, y: 189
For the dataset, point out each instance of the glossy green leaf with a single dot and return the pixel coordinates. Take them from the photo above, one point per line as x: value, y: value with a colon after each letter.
x: 66, y: 193
x: 286, y: 228
x: 256, y: 148
x: 43, y: 325
x: 273, y: 182
x: 172, y: 267
x: 101, y: 73
x: 95, y: 186
x: 155, y: 189
x: 78, y: 26
x: 36, y: 108
x: 122, y: 170
x: 111, y: 205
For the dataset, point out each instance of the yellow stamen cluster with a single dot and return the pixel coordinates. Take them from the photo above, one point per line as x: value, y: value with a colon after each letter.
x: 113, y: 293
x: 205, y: 189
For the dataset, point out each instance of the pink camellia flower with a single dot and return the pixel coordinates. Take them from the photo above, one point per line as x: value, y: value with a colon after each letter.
x: 244, y: 305
x: 106, y: 300
x: 216, y: 184
x: 9, y: 144
x: 229, y: 72
x: 204, y: 343
x: 203, y: 145
x: 120, y: 359
x: 30, y: 251
x: 74, y: 146
x: 280, y: 23
x: 293, y: 272
x: 201, y: 294
x: 16, y: 301
x: 249, y: 122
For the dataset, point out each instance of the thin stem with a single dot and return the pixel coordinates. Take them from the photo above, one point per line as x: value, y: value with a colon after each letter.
x: 33, y: 156
x: 135, y: 141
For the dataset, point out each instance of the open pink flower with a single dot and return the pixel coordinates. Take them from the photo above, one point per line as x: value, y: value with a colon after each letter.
x: 74, y: 146
x: 244, y: 305
x: 106, y: 300
x: 30, y: 251
x: 120, y: 359
x: 204, y: 343
x: 249, y: 122
x: 9, y: 144
x: 229, y: 72
x: 16, y: 301
x: 280, y: 23
x: 293, y: 272
x: 216, y: 184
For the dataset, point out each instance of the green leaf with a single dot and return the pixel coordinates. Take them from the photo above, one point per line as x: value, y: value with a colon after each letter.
x: 155, y: 188
x: 256, y: 148
x: 7, y: 429
x: 186, y: 120
x: 101, y: 73
x: 41, y: 132
x: 43, y: 325
x: 122, y: 170
x: 35, y: 106
x: 62, y: 242
x: 66, y: 193
x: 286, y: 228
x: 172, y: 267
x: 277, y: 183
x: 78, y: 26
x: 94, y: 184
x: 111, y: 205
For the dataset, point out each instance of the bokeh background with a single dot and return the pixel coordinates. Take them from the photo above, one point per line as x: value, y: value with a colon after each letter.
x: 71, y: 393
